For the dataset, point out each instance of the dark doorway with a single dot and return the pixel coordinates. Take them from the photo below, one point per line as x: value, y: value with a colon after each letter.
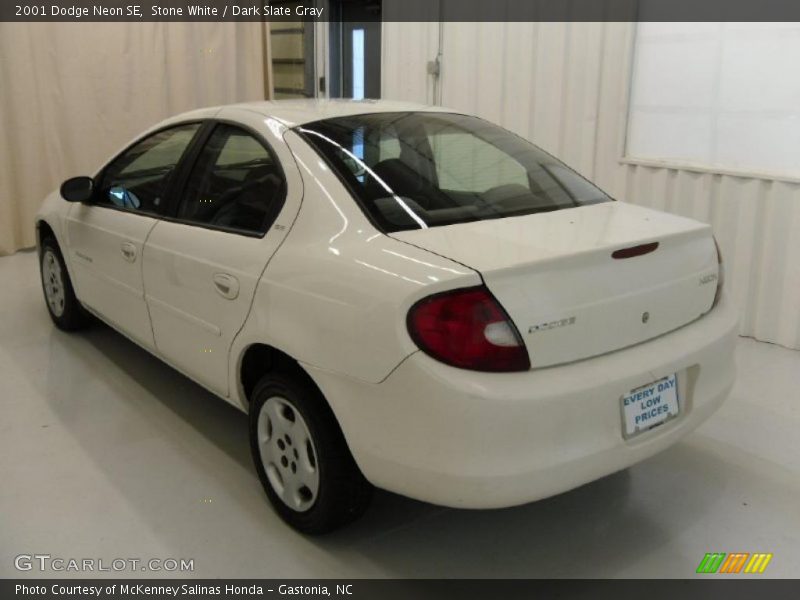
x: 355, y: 37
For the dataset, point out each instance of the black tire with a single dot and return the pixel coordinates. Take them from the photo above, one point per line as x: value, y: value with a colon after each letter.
x: 343, y: 493
x: 72, y: 315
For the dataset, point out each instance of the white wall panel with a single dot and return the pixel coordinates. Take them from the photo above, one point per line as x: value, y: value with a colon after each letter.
x: 407, y: 47
x: 565, y: 86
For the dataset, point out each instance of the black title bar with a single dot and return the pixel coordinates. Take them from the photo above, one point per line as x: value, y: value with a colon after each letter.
x: 403, y: 10
x: 394, y: 589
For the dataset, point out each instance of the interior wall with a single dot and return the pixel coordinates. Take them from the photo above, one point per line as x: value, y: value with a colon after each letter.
x: 565, y: 87
x: 71, y: 94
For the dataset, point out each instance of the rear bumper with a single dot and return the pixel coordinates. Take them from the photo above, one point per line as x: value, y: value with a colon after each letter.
x: 481, y: 440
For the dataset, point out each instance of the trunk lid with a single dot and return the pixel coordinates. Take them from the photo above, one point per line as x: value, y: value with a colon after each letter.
x: 570, y: 299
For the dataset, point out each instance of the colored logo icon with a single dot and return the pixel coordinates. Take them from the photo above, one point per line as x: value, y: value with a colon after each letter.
x: 735, y: 562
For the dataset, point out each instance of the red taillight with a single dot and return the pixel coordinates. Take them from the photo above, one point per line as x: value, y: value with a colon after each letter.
x: 467, y: 328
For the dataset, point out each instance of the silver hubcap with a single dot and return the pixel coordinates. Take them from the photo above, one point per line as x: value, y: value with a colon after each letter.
x: 288, y: 454
x: 53, y: 281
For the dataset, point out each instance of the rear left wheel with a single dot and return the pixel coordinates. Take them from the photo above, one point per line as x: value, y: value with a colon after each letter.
x: 301, y: 456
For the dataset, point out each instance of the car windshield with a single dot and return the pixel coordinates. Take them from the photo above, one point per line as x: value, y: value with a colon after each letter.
x: 416, y: 170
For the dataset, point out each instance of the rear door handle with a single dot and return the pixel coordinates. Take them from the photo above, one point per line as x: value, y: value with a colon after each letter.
x: 128, y: 250
x: 226, y: 285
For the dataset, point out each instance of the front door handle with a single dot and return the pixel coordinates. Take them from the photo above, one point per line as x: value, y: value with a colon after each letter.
x: 128, y: 251
x: 226, y: 285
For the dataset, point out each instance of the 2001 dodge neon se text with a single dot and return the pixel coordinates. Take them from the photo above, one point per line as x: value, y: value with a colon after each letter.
x: 399, y: 296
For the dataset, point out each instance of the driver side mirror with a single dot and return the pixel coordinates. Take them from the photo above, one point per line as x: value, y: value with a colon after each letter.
x: 77, y: 189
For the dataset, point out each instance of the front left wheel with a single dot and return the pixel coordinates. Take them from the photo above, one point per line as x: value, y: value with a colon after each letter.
x: 301, y: 456
x: 62, y: 304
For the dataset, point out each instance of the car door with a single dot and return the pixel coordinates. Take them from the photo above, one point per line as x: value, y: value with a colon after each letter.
x: 106, y: 236
x: 202, y: 266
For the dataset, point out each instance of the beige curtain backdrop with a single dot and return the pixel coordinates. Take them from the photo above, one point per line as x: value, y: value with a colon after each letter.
x: 71, y: 94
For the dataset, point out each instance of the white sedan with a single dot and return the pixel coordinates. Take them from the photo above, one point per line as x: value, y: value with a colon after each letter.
x: 399, y: 296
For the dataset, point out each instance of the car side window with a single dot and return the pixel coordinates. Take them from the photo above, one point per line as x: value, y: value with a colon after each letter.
x: 235, y: 184
x: 138, y: 179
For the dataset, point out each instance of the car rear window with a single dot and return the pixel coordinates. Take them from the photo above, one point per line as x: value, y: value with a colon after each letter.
x: 414, y: 170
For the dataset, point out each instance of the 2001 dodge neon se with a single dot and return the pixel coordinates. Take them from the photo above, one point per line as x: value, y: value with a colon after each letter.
x: 399, y: 296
